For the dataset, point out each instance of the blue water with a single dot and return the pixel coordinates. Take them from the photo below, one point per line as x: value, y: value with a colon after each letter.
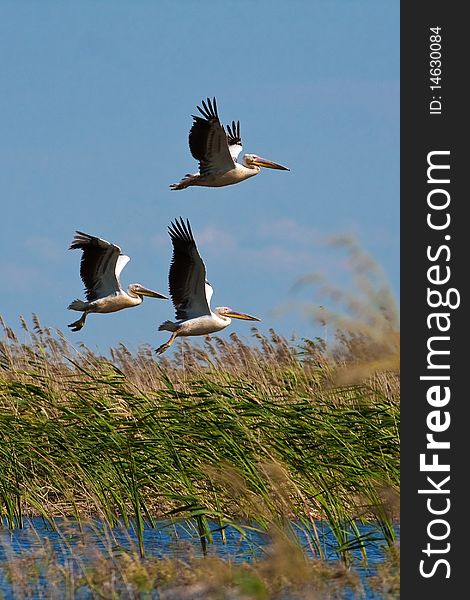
x: 170, y: 539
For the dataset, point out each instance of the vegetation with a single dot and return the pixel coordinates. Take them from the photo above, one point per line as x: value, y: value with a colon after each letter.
x: 273, y: 434
x: 257, y: 433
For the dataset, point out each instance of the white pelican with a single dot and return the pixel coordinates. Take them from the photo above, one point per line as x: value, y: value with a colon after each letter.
x: 100, y: 267
x: 190, y: 291
x: 217, y: 152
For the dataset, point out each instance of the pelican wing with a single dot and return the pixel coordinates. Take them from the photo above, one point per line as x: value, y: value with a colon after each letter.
x: 187, y: 276
x: 101, y: 265
x: 234, y: 140
x: 208, y: 141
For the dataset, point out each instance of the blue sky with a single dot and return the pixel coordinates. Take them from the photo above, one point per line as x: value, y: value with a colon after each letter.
x: 95, y: 110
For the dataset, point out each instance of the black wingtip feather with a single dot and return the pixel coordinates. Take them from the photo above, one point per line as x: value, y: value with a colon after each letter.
x: 234, y: 133
x: 80, y: 240
x: 208, y: 110
x: 181, y: 231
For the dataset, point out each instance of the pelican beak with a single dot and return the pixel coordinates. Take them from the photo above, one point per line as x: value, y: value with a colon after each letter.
x: 236, y: 315
x: 264, y: 162
x: 151, y: 294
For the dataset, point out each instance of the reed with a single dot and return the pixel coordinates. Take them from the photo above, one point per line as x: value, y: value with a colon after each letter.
x: 260, y: 432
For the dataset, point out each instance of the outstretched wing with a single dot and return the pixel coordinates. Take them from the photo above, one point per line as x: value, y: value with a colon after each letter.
x: 187, y: 276
x: 208, y: 141
x: 234, y: 140
x: 101, y: 265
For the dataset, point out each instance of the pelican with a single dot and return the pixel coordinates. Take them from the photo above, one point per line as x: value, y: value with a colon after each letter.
x: 190, y: 291
x: 100, y: 268
x: 217, y: 152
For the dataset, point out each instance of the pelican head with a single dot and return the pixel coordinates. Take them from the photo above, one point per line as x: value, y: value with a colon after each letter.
x: 252, y: 159
x: 225, y: 311
x: 135, y: 289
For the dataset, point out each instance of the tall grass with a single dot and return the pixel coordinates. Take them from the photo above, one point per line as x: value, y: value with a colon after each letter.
x: 259, y: 434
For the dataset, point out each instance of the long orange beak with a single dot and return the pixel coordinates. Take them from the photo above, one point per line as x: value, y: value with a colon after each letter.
x: 143, y: 291
x: 264, y: 162
x: 237, y: 315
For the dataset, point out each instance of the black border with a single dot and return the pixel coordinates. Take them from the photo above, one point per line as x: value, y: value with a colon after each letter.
x: 420, y: 133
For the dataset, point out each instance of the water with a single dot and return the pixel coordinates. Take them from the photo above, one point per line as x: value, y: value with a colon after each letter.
x: 168, y: 539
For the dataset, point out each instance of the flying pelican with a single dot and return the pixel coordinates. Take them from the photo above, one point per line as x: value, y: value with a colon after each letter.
x: 190, y: 291
x: 100, y: 268
x: 217, y: 152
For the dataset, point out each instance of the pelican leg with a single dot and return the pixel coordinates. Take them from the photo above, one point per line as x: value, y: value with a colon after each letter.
x: 167, y: 344
x: 187, y: 180
x: 77, y: 325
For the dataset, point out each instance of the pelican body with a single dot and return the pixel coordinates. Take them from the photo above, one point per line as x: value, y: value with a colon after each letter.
x: 217, y: 152
x: 100, y: 269
x: 190, y: 291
